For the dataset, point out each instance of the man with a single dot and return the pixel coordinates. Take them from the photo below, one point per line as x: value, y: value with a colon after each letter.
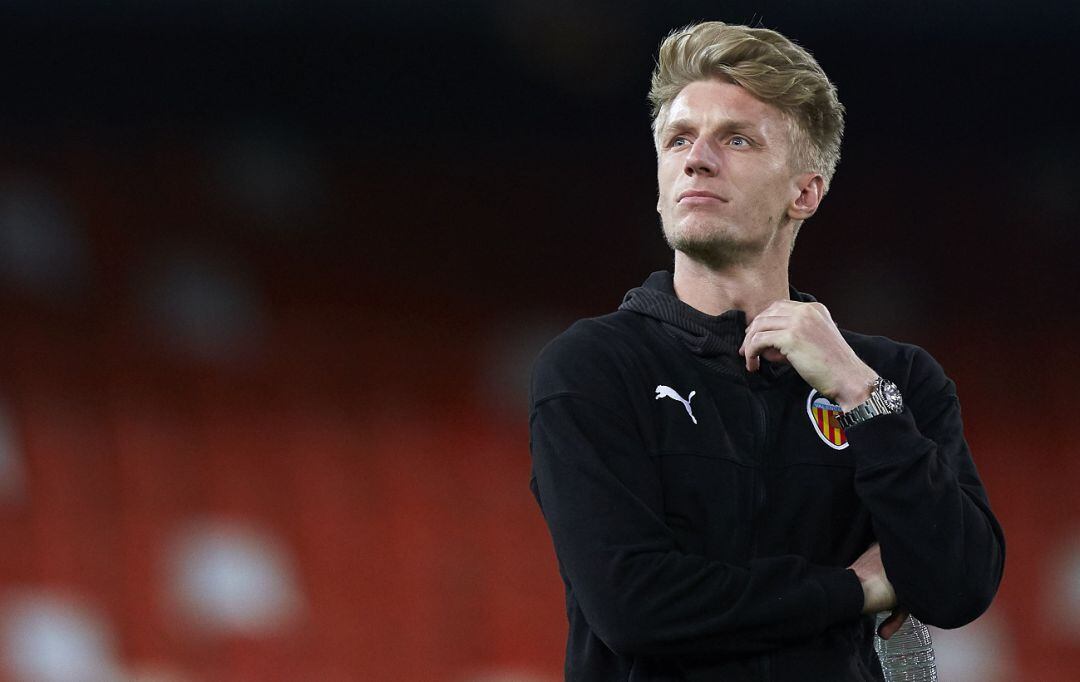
x: 733, y: 485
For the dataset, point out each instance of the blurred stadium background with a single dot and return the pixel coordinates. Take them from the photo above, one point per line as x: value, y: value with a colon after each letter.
x: 272, y: 275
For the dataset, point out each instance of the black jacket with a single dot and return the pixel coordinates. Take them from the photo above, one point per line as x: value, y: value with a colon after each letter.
x: 706, y: 537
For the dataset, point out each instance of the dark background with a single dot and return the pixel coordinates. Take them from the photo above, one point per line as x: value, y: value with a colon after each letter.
x: 272, y: 275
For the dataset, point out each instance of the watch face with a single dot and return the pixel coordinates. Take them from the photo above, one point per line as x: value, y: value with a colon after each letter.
x: 892, y: 396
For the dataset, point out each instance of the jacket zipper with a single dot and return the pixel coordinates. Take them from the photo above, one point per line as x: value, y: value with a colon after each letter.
x: 762, y: 444
x: 761, y: 440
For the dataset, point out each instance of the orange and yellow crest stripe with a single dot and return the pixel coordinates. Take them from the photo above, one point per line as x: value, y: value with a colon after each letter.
x: 826, y: 417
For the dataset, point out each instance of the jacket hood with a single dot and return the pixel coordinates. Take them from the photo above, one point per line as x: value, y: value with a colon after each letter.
x: 714, y: 339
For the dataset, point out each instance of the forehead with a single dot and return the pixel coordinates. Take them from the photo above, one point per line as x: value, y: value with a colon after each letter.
x: 717, y: 102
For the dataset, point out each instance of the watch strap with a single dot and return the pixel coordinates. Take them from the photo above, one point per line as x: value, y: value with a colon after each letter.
x: 875, y: 405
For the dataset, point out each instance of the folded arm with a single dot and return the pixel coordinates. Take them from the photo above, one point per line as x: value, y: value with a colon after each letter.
x: 601, y: 498
x: 941, y: 546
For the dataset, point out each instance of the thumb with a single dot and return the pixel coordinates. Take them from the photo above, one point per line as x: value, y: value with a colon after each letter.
x: 893, y: 622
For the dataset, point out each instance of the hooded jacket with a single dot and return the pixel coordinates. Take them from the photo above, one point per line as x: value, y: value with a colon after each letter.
x: 703, y: 517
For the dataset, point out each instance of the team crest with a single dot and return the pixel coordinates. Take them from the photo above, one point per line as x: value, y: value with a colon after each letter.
x: 823, y: 415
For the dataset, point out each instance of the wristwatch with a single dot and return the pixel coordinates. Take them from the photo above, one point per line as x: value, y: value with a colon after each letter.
x: 885, y: 398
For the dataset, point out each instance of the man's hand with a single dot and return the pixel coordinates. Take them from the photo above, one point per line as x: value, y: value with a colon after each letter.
x: 805, y: 335
x: 878, y: 592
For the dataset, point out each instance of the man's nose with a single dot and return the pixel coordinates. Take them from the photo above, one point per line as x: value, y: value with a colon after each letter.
x: 702, y: 159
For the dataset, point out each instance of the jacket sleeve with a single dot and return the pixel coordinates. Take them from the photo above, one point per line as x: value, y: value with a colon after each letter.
x: 941, y: 546
x: 641, y: 595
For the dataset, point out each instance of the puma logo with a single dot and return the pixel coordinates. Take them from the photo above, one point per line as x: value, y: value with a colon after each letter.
x: 668, y: 392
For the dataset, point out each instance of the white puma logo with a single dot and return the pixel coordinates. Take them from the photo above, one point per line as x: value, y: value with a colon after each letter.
x: 668, y: 392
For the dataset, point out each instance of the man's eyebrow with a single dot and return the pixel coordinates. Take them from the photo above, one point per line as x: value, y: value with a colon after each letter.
x: 726, y: 124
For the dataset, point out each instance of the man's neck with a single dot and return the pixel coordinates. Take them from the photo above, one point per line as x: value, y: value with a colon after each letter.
x: 750, y: 288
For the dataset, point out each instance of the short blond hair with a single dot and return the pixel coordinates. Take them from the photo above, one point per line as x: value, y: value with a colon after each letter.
x: 772, y: 68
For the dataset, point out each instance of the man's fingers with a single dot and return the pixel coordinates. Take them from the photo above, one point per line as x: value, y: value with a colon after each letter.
x: 763, y: 323
x: 767, y: 323
x: 756, y: 344
x: 781, y: 307
x: 893, y: 623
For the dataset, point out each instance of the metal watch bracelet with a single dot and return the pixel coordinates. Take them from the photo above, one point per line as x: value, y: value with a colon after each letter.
x: 884, y: 399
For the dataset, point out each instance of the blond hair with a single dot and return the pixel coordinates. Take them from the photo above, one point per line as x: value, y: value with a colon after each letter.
x: 772, y: 68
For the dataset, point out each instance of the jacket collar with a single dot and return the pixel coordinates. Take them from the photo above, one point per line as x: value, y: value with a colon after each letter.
x: 715, y: 339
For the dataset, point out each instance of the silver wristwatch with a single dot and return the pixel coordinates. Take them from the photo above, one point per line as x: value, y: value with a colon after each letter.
x: 885, y: 398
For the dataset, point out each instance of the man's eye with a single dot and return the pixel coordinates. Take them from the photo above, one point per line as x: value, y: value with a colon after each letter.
x: 679, y: 141
x: 739, y: 141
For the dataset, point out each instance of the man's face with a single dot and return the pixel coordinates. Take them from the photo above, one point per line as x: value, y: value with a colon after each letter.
x: 726, y: 185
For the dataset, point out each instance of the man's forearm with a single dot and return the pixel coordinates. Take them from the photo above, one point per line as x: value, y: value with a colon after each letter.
x: 941, y: 546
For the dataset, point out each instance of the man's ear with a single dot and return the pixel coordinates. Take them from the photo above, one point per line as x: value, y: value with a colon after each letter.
x: 811, y: 188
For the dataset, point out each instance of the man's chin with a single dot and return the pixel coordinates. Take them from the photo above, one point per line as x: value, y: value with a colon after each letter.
x: 714, y: 250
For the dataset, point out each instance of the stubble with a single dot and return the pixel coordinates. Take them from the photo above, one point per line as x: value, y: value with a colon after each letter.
x: 721, y: 247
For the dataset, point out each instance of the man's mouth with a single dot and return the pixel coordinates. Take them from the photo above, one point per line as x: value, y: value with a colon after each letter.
x: 698, y: 196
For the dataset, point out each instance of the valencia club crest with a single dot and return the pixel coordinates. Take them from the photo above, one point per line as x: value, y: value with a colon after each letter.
x: 823, y: 415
